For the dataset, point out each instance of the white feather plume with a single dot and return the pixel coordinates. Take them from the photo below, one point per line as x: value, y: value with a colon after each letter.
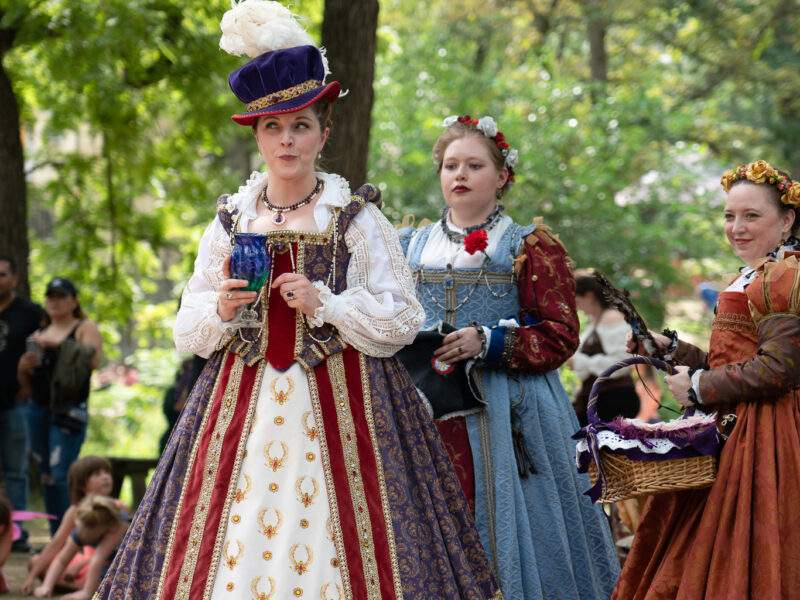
x: 253, y: 27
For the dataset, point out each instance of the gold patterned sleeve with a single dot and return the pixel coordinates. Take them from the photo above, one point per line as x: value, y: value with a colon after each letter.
x: 549, y: 332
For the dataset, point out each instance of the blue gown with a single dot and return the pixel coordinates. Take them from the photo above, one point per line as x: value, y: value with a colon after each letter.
x: 545, y: 538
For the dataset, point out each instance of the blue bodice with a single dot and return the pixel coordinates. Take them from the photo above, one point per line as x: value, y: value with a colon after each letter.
x: 460, y: 296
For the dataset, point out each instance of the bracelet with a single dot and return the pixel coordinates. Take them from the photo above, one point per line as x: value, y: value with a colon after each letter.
x: 692, y: 395
x: 673, y: 345
x: 673, y: 336
x: 481, y: 336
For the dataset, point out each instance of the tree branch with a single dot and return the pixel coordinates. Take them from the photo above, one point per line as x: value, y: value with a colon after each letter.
x: 721, y: 72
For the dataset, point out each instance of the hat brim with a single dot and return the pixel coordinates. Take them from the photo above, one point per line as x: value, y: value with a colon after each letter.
x: 329, y: 92
x: 60, y: 290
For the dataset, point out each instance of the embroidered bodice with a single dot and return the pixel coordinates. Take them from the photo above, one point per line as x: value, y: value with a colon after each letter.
x: 371, y: 302
x: 755, y: 338
x: 485, y: 293
x: 524, y: 294
x: 733, y: 334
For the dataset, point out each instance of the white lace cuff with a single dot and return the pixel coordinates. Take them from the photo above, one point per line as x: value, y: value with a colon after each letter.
x: 198, y: 328
x: 696, y: 384
x: 332, y: 306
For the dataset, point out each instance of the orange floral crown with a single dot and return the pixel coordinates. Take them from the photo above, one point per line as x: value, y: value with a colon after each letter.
x: 762, y: 172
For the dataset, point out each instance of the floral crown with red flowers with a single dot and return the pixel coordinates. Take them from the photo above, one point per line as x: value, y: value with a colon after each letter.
x: 762, y: 172
x: 488, y: 127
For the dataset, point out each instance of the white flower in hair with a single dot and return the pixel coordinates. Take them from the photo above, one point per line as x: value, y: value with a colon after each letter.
x: 449, y: 121
x: 512, y: 157
x: 488, y: 126
x: 253, y: 27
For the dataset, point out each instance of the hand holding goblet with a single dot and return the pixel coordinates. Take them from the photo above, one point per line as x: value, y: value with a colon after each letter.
x: 231, y: 295
x: 250, y: 261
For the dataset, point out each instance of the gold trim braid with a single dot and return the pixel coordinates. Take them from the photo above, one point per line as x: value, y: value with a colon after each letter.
x: 283, y: 95
x: 234, y: 477
x: 387, y: 510
x: 336, y: 526
x: 192, y: 457
x: 347, y: 437
x: 195, y: 541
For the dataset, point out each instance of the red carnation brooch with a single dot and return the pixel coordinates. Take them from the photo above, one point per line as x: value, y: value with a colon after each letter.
x: 477, y: 241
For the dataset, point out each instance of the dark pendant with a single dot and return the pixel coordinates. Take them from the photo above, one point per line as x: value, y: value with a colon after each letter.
x: 278, y: 218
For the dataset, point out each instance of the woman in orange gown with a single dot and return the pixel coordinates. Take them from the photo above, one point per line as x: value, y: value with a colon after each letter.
x: 740, y: 538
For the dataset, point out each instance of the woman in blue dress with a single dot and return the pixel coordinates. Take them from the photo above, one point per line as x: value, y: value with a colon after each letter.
x: 509, y: 291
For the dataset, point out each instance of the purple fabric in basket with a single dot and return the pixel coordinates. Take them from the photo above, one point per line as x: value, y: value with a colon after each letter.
x: 690, y: 442
x: 703, y: 438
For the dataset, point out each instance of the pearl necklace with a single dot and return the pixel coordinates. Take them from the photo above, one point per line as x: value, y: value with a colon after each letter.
x: 488, y: 224
x: 278, y: 218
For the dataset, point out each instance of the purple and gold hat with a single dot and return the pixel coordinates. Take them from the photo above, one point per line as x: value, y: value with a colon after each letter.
x: 281, y: 81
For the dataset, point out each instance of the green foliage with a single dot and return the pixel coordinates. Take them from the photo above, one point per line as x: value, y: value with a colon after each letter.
x: 128, y: 169
x: 625, y: 170
x: 127, y: 420
x: 129, y: 141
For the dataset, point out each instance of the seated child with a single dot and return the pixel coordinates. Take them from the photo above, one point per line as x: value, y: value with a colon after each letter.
x: 87, y: 475
x: 99, y: 523
x: 6, y: 533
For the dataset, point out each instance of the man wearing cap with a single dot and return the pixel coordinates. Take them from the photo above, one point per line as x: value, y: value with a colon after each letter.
x: 19, y: 317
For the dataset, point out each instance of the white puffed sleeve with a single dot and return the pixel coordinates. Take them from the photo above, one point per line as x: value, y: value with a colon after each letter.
x: 379, y: 312
x: 198, y: 328
x: 612, y: 337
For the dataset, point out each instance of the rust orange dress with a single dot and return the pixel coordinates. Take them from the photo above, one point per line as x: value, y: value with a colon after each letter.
x: 740, y: 538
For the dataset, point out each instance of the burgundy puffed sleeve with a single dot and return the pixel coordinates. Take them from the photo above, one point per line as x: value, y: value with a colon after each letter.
x: 549, y: 332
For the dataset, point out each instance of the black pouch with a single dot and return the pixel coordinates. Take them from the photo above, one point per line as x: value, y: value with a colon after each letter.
x: 446, y: 387
x: 74, y: 419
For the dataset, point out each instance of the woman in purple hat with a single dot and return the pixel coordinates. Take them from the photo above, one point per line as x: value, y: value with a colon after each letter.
x: 304, y: 464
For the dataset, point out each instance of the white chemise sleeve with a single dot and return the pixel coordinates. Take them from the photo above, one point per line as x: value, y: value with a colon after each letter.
x: 612, y: 337
x: 379, y: 312
x: 198, y: 328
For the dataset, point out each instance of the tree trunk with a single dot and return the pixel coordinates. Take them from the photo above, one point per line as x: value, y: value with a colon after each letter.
x: 348, y: 34
x: 596, y: 32
x: 13, y: 200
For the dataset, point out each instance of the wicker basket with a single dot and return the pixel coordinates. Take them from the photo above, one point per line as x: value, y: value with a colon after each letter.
x: 628, y: 478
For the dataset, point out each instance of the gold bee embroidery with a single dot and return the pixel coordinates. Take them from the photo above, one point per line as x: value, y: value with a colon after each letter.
x: 311, y: 432
x: 304, y: 497
x: 323, y: 593
x: 273, y: 462
x: 230, y: 559
x: 240, y: 494
x: 262, y: 595
x: 299, y: 565
x: 282, y: 395
x: 270, y: 529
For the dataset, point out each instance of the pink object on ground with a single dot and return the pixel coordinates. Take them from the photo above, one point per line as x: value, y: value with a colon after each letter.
x: 24, y: 515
